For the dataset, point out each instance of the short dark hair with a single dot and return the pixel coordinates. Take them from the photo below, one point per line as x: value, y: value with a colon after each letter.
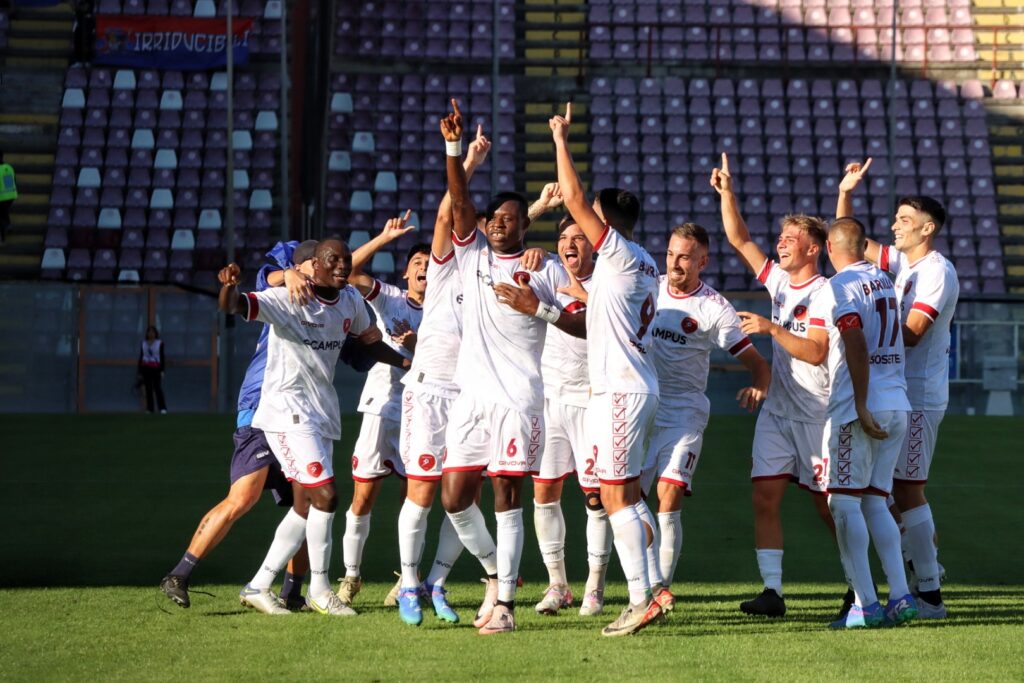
x: 566, y: 221
x: 813, y: 226
x: 621, y: 208
x: 503, y: 197
x: 849, y: 226
x: 418, y: 248
x: 692, y: 231
x: 927, y: 205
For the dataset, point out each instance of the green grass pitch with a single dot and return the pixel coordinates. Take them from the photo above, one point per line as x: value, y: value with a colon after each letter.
x: 97, y: 508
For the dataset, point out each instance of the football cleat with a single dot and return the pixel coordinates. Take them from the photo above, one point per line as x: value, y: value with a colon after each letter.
x: 557, y: 596
x: 483, y: 615
x: 349, y: 588
x: 263, y: 600
x: 444, y: 611
x: 848, y: 599
x: 330, y: 604
x: 634, y: 618
x: 767, y: 604
x: 861, y: 617
x: 296, y: 604
x: 900, y: 610
x: 592, y: 604
x: 391, y: 599
x: 663, y: 596
x: 502, y: 621
x: 176, y: 588
x: 409, y: 606
x: 926, y: 610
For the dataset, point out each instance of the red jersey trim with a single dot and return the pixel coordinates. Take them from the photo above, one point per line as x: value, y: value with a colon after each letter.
x: 922, y: 482
x: 926, y: 309
x: 312, y: 486
x: 771, y: 477
x: 467, y: 468
x: 328, y: 302
x: 849, y: 321
x: 444, y: 259
x: 576, y: 307
x: 418, y: 477
x: 883, y: 259
x: 602, y: 238
x: 805, y: 283
x: 374, y: 291
x: 618, y: 482
x: 678, y: 482
x: 510, y: 473
x: 412, y: 304
x: 817, y: 322
x: 367, y: 480
x: 509, y: 257
x: 254, y: 306
x: 741, y: 346
x: 541, y: 480
x: 762, y: 275
x: 815, y: 492
x: 465, y: 242
x: 685, y: 295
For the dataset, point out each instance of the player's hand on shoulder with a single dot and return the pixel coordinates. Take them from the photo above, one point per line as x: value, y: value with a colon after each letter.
x: 560, y: 124
x: 533, y: 259
x: 451, y: 124
x: 870, y: 425
x: 752, y: 323
x: 854, y: 174
x: 721, y: 179
x: 750, y: 398
x: 230, y: 274
x: 300, y: 290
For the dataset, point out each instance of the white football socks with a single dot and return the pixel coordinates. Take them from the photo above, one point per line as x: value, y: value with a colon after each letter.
x: 599, y: 548
x: 630, y: 542
x: 886, y: 537
x: 769, y: 562
x: 852, y: 538
x: 318, y: 542
x: 510, y: 551
x: 288, y: 538
x: 449, y: 547
x: 472, y: 531
x: 550, y: 525
x: 357, y: 530
x: 670, y: 526
x: 921, y: 546
x: 412, y: 534
x: 653, y: 549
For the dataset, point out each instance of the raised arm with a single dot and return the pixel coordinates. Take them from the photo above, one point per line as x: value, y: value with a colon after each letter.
x: 550, y: 198
x: 441, y: 244
x: 393, y: 229
x: 230, y: 301
x: 569, y: 181
x: 735, y: 228
x: 464, y: 213
x: 844, y: 205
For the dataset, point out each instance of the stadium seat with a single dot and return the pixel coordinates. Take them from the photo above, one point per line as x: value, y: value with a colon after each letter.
x: 53, y: 259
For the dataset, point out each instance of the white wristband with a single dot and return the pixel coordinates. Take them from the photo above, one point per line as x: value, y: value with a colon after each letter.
x: 454, y: 149
x: 548, y: 313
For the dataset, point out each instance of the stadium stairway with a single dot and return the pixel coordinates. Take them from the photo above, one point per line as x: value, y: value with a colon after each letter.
x: 40, y: 37
x: 551, y: 41
x: 1006, y: 132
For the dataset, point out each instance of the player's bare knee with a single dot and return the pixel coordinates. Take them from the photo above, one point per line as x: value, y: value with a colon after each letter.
x: 324, y: 498
x: 507, y: 493
x: 908, y: 496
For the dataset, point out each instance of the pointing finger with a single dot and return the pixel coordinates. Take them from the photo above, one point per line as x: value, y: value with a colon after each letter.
x: 408, y: 213
x: 455, y: 107
x: 725, y: 162
x: 479, y: 131
x: 864, y: 168
x: 568, y: 112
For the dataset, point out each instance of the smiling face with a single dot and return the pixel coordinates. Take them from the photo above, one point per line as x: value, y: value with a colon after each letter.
x: 684, y: 261
x: 332, y: 264
x: 416, y: 273
x: 506, y: 227
x: 795, y: 248
x: 576, y: 251
x: 911, y: 228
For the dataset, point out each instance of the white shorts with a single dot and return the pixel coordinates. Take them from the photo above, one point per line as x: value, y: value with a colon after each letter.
x: 918, y: 448
x: 375, y: 454
x: 566, y: 447
x: 672, y: 457
x: 618, y: 425
x: 305, y: 457
x: 421, y: 443
x: 855, y: 461
x: 785, y: 448
x: 485, y: 436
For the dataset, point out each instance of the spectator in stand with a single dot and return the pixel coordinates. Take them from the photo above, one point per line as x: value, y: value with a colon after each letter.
x: 151, y: 369
x: 8, y: 193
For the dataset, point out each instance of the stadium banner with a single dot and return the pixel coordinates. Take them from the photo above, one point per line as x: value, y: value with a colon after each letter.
x: 181, y: 43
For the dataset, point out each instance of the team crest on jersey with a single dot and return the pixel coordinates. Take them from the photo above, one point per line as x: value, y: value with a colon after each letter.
x: 906, y: 287
x: 315, y: 469
x: 521, y: 278
x: 800, y: 312
x: 689, y: 325
x: 427, y: 462
x: 347, y: 324
x: 355, y: 463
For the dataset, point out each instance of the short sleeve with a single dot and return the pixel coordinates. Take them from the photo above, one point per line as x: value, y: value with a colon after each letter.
x: 269, y: 306
x: 617, y: 250
x: 554, y: 278
x: 891, y: 260
x: 819, y: 312
x: 466, y: 249
x: 729, y: 336
x: 772, y: 277
x: 360, y: 318
x: 384, y: 294
x: 935, y: 287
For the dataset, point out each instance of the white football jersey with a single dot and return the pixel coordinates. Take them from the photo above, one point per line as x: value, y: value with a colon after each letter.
x: 861, y: 295
x: 685, y: 330
x: 499, y: 360
x: 302, y: 350
x: 564, y: 362
x: 799, y: 390
x: 928, y: 285
x: 440, y: 333
x: 620, y: 309
x: 382, y: 391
